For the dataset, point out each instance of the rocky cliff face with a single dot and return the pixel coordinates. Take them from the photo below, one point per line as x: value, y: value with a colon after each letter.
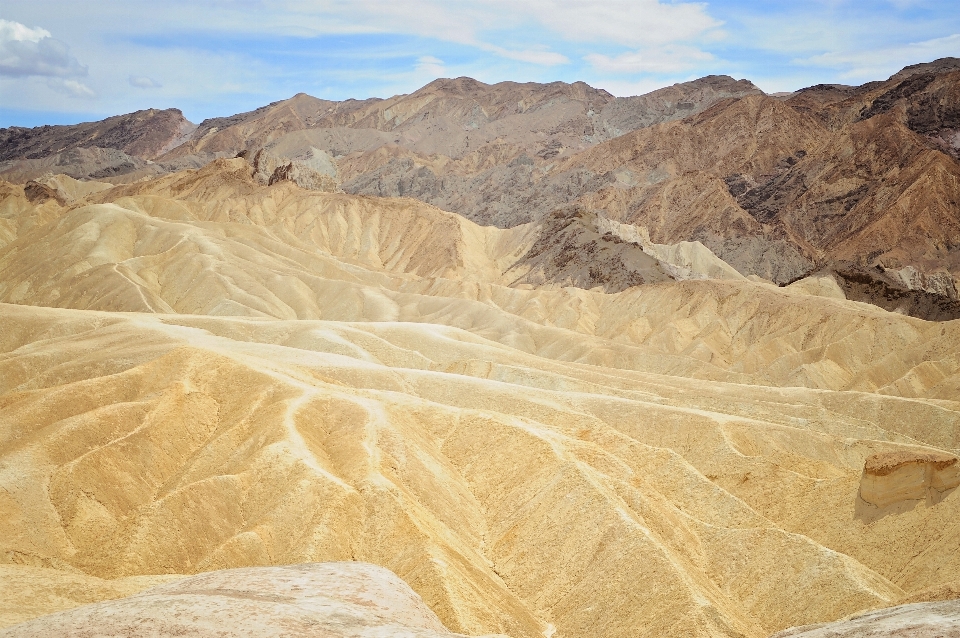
x: 571, y: 250
x: 144, y: 134
x: 932, y: 296
x: 268, y: 169
x: 894, y: 477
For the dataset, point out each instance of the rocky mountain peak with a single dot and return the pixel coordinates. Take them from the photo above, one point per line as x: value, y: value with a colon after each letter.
x: 940, y: 65
x: 146, y: 134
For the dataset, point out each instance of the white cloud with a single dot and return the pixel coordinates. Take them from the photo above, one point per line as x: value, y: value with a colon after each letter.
x: 633, y: 23
x: 874, y: 63
x: 532, y: 56
x: 430, y: 66
x: 664, y: 59
x: 20, y: 32
x: 71, y: 88
x: 143, y: 82
x: 622, y: 22
x: 25, y: 52
x: 483, y: 23
x: 453, y: 21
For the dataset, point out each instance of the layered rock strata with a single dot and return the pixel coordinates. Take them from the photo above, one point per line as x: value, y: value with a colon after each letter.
x: 892, y: 477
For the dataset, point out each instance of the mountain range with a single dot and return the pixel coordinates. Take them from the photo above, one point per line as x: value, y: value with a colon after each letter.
x: 518, y: 359
x: 857, y: 182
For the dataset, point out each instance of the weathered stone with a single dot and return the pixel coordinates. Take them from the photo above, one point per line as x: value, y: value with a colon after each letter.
x: 323, y: 600
x: 892, y: 477
x: 918, y: 620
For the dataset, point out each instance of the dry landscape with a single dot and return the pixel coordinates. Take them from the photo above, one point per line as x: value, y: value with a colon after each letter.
x: 515, y: 359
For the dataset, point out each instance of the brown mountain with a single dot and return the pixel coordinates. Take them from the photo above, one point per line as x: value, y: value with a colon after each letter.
x: 460, y: 118
x: 873, y: 191
x: 450, y: 117
x: 855, y: 177
x: 864, y: 176
x: 144, y: 134
x: 855, y: 174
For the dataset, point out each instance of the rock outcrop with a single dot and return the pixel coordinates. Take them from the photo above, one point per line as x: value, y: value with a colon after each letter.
x: 268, y: 169
x: 932, y: 297
x: 919, y: 620
x: 37, y: 193
x: 893, y: 477
x: 571, y: 249
x: 322, y: 600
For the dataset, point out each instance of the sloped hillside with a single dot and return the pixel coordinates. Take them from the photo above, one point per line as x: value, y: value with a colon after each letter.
x: 203, y: 373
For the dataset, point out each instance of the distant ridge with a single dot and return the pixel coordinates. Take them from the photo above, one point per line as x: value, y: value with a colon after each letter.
x: 777, y: 187
x: 145, y: 134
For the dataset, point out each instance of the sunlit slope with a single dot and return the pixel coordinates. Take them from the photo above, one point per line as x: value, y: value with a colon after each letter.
x: 213, y: 243
x: 197, y: 372
x: 507, y: 489
x: 394, y: 234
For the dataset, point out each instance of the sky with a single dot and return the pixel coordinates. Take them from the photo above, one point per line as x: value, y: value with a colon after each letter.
x: 64, y: 62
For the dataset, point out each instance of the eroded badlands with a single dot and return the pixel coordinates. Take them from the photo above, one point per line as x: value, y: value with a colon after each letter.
x: 199, y: 372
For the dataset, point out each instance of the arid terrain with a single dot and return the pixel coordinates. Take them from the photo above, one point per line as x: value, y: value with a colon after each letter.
x: 524, y: 360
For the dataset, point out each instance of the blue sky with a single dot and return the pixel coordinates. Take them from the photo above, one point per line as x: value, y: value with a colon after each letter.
x: 65, y: 62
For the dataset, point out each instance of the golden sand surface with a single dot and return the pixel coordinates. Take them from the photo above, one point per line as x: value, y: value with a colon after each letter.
x: 199, y: 373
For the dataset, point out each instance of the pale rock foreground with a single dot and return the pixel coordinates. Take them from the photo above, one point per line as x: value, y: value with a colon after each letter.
x: 324, y: 600
x: 919, y: 620
x: 28, y: 592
